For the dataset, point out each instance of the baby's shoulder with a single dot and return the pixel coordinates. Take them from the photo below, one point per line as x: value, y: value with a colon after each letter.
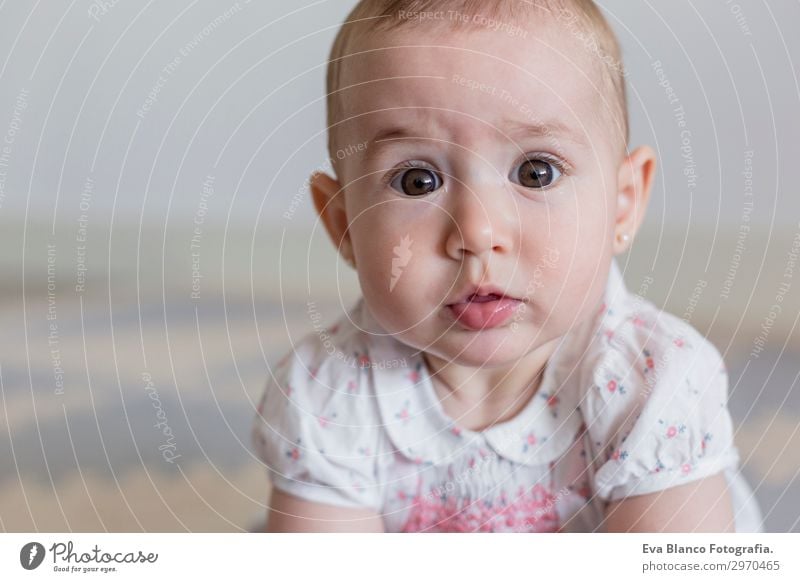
x: 324, y: 378
x: 644, y: 349
x: 317, y: 427
x: 656, y: 405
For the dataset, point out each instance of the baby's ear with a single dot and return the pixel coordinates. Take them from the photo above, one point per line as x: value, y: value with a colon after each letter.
x: 328, y: 197
x: 634, y: 182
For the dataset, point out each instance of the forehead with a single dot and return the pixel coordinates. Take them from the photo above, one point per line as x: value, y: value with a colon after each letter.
x: 471, y: 78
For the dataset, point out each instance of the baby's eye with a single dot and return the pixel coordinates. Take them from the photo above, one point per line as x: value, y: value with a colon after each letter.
x: 536, y: 173
x: 416, y: 181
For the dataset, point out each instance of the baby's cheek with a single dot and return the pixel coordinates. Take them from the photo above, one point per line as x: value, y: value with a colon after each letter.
x: 374, y: 263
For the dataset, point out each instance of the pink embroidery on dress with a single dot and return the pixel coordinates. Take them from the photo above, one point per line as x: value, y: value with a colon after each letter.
x: 294, y: 452
x: 613, y: 386
x: 552, y: 402
x: 673, y: 430
x: 649, y: 364
x: 530, y: 440
x: 415, y: 375
x: 532, y: 511
x: 404, y: 415
x: 704, y: 444
x: 619, y: 455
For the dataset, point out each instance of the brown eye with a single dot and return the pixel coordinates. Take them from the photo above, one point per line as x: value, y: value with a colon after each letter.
x: 537, y: 173
x: 417, y: 182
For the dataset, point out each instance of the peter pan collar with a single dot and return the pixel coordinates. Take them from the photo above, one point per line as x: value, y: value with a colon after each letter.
x: 418, y: 427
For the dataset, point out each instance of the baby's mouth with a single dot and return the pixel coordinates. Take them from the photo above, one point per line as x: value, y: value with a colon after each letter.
x: 475, y: 298
x: 481, y: 312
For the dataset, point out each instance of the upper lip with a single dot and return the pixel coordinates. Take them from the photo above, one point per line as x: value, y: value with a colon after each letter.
x: 480, y: 290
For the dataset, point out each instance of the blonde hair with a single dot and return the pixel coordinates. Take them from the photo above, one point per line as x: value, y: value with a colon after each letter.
x: 381, y: 16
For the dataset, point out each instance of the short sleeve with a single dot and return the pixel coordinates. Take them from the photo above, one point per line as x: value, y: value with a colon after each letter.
x: 311, y: 432
x: 656, y: 412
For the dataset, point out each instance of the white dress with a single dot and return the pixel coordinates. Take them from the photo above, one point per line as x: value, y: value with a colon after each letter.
x: 632, y: 401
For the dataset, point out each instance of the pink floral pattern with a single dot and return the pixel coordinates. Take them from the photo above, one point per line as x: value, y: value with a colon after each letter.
x: 552, y: 400
x: 672, y: 430
x: 534, y: 510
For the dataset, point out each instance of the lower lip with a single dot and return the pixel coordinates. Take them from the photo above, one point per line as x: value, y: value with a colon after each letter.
x: 485, y: 315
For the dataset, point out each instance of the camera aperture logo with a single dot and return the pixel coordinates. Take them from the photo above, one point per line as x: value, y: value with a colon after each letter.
x: 31, y: 555
x: 65, y: 559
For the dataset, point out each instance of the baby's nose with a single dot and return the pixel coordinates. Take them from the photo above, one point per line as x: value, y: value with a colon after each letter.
x: 480, y: 219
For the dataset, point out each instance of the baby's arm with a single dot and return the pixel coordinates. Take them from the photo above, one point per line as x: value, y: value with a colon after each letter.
x: 699, y: 506
x: 288, y: 513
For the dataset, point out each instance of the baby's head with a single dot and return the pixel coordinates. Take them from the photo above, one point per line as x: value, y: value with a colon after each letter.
x: 480, y: 147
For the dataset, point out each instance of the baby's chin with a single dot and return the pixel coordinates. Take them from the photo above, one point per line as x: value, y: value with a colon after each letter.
x: 494, y: 348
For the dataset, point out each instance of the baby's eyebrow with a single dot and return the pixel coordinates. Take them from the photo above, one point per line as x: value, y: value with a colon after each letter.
x: 392, y: 132
x: 389, y: 133
x: 553, y: 129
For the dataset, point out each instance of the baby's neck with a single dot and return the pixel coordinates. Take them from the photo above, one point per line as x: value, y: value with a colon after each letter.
x: 479, y: 398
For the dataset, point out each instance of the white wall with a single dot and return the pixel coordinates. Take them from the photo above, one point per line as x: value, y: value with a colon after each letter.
x: 263, y: 65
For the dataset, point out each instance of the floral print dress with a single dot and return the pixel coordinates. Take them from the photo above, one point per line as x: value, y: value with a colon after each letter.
x: 632, y: 401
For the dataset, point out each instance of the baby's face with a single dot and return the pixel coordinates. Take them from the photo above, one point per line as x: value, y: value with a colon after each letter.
x: 489, y: 164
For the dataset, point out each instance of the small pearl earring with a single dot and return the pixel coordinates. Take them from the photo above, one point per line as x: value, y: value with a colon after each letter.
x: 624, y: 237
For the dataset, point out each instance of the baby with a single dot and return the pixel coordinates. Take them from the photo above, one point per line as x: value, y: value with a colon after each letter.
x: 496, y: 375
